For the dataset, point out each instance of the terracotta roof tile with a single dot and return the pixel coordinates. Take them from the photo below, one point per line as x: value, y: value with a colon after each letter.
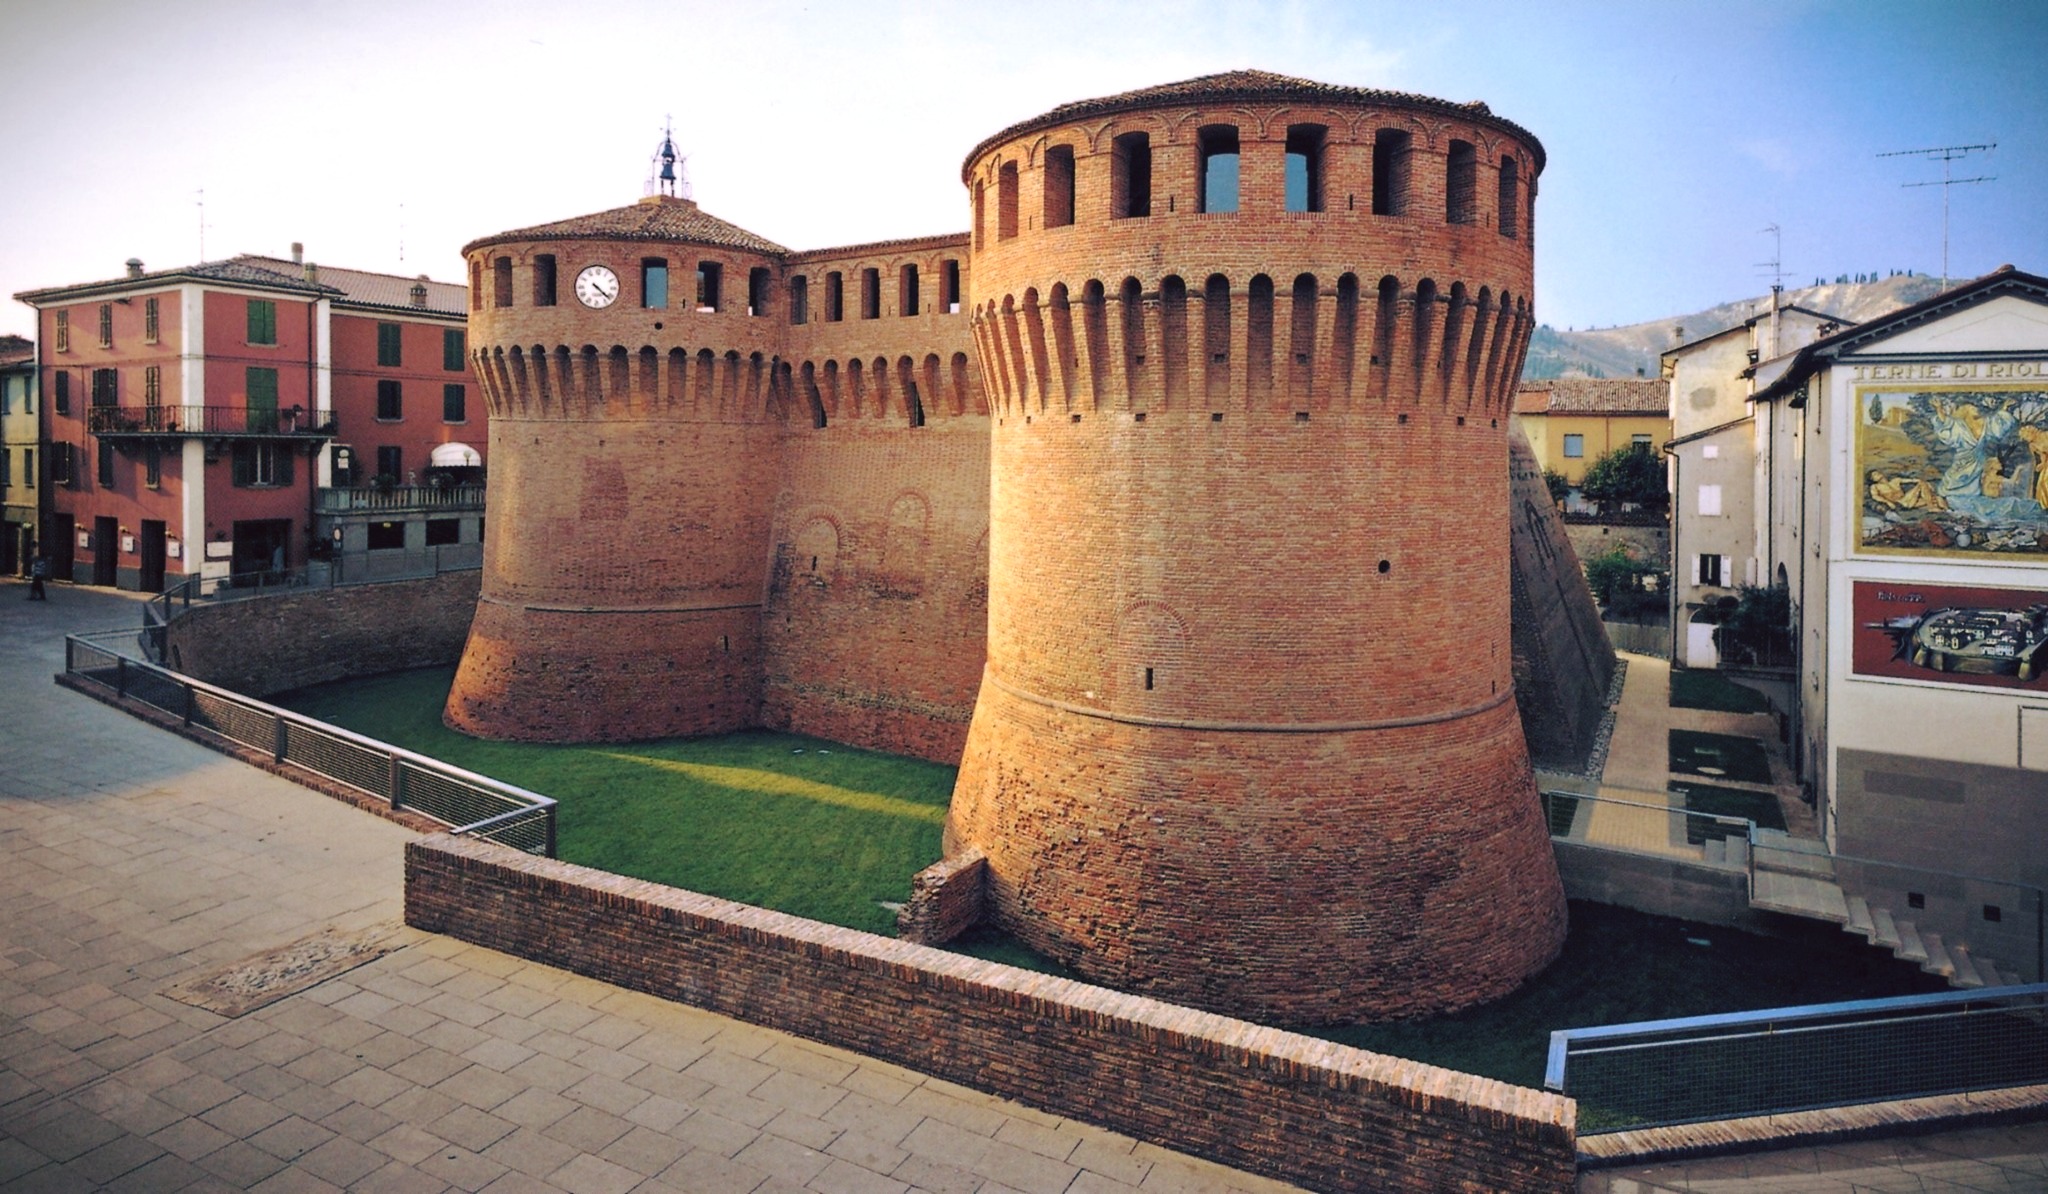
x: 656, y: 218
x: 373, y: 289
x: 1254, y: 86
x: 1595, y: 396
x: 16, y: 349
x: 235, y: 270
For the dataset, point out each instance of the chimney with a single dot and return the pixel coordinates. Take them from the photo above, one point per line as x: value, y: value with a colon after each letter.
x: 135, y: 267
x: 419, y: 292
x: 312, y: 273
x: 298, y: 252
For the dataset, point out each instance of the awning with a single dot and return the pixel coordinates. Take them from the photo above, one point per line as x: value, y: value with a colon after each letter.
x: 454, y: 456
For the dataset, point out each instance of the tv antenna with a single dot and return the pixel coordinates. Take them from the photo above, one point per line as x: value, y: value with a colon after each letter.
x: 202, y: 224
x: 1774, y: 269
x: 1945, y: 154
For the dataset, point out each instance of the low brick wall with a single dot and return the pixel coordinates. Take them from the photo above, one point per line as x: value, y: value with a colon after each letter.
x: 268, y: 645
x: 947, y: 898
x: 1318, y: 1114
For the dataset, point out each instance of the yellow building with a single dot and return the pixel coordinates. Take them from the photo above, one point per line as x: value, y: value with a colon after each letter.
x: 1572, y: 421
x: 17, y: 455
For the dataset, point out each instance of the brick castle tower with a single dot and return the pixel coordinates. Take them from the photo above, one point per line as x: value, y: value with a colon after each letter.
x: 1247, y: 736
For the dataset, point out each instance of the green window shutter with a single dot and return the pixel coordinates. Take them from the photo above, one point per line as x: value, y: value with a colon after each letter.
x: 453, y: 350
x: 389, y: 351
x: 454, y: 403
x: 262, y: 321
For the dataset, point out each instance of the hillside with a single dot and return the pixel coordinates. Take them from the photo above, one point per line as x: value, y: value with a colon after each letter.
x: 1622, y: 351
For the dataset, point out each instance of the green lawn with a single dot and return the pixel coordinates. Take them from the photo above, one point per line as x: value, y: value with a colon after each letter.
x: 1722, y: 756
x: 1620, y: 966
x: 784, y: 821
x: 1710, y: 690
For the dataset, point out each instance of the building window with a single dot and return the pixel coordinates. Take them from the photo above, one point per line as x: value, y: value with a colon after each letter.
x: 544, y: 280
x: 106, y: 464
x: 1639, y: 439
x: 63, y: 331
x: 61, y: 472
x: 1216, y: 179
x: 1707, y: 570
x: 106, y: 325
x: 454, y: 350
x: 1461, y: 184
x: 153, y: 464
x: 390, y: 399
x: 799, y: 299
x: 654, y: 283
x: 106, y: 387
x: 1574, y: 447
x: 1390, y: 172
x: 709, y: 275
x: 1059, y: 186
x: 1710, y: 501
x: 835, y: 297
x: 1510, y: 195
x: 262, y: 321
x: 476, y: 284
x: 906, y: 291
x: 62, y: 382
x: 391, y: 463
x: 153, y: 386
x: 1305, y: 166
x: 386, y: 536
x: 6, y: 468
x: 980, y: 211
x: 261, y: 463
x: 501, y: 282
x: 454, y: 403
x: 757, y: 291
x: 1006, y: 201
x: 260, y: 383
x: 390, y: 344
x: 949, y: 286
x: 149, y: 321
x: 443, y: 532
x: 1130, y: 176
x: 871, y: 293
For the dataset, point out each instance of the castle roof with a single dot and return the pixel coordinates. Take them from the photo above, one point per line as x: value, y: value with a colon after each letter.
x: 1593, y: 396
x: 655, y: 218
x: 363, y: 288
x: 1252, y: 86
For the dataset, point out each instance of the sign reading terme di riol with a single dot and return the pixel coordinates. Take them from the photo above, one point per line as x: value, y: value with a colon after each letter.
x: 1954, y: 467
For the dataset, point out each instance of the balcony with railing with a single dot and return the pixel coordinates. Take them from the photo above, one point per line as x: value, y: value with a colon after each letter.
x: 173, y: 422
x: 401, y: 499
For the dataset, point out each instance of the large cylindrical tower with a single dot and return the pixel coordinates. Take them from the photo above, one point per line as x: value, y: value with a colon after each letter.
x: 628, y: 358
x: 1247, y: 735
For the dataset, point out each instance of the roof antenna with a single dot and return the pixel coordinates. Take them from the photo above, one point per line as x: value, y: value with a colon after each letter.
x: 202, y: 225
x: 666, y: 171
x: 401, y: 233
x: 1945, y: 154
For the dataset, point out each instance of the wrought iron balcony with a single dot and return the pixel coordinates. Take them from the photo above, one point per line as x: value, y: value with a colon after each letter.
x: 209, y: 421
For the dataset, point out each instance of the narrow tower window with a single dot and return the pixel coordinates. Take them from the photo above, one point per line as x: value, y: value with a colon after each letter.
x: 1130, y: 177
x: 1006, y: 201
x: 1059, y: 186
x: 501, y: 281
x: 654, y: 283
x: 907, y: 301
x: 709, y: 275
x: 1216, y: 182
x: 871, y: 293
x: 1390, y: 172
x: 835, y: 297
x: 757, y: 291
x: 949, y: 286
x: 799, y: 299
x: 1305, y: 166
x: 1461, y: 184
x: 544, y: 280
x: 1510, y: 194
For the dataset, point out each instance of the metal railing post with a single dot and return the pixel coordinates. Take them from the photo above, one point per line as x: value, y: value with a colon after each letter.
x: 397, y: 784
x: 280, y: 740
x: 191, y: 702
x: 120, y: 677
x: 551, y: 829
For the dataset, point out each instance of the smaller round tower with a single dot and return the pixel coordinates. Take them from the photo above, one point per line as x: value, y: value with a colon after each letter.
x: 629, y: 361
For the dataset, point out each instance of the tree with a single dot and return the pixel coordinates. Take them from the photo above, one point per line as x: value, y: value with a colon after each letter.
x: 1759, y: 628
x: 1626, y: 586
x: 1559, y: 487
x: 1630, y: 474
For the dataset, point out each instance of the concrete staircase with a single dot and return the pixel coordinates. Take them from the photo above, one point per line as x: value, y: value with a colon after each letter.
x: 1797, y: 876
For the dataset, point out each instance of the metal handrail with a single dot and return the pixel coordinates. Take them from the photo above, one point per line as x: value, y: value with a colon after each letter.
x: 126, y: 667
x: 208, y: 420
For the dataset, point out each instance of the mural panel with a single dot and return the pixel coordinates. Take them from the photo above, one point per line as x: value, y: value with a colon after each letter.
x: 1996, y: 638
x: 1952, y: 470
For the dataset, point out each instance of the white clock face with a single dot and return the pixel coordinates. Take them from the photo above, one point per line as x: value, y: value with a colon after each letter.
x: 597, y: 286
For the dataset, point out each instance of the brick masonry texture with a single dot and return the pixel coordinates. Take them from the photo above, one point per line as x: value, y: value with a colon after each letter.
x: 1186, y: 532
x: 1321, y: 1115
x: 1563, y: 661
x: 947, y: 898
x: 280, y: 643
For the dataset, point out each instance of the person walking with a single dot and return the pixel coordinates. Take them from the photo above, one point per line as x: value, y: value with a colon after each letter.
x: 37, y: 573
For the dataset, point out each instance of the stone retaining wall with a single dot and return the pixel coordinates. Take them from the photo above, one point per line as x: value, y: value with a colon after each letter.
x: 1307, y: 1111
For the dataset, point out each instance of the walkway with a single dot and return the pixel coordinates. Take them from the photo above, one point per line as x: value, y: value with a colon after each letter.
x: 135, y: 861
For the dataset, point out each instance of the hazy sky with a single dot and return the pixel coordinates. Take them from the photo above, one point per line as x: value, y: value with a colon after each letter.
x: 384, y: 135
